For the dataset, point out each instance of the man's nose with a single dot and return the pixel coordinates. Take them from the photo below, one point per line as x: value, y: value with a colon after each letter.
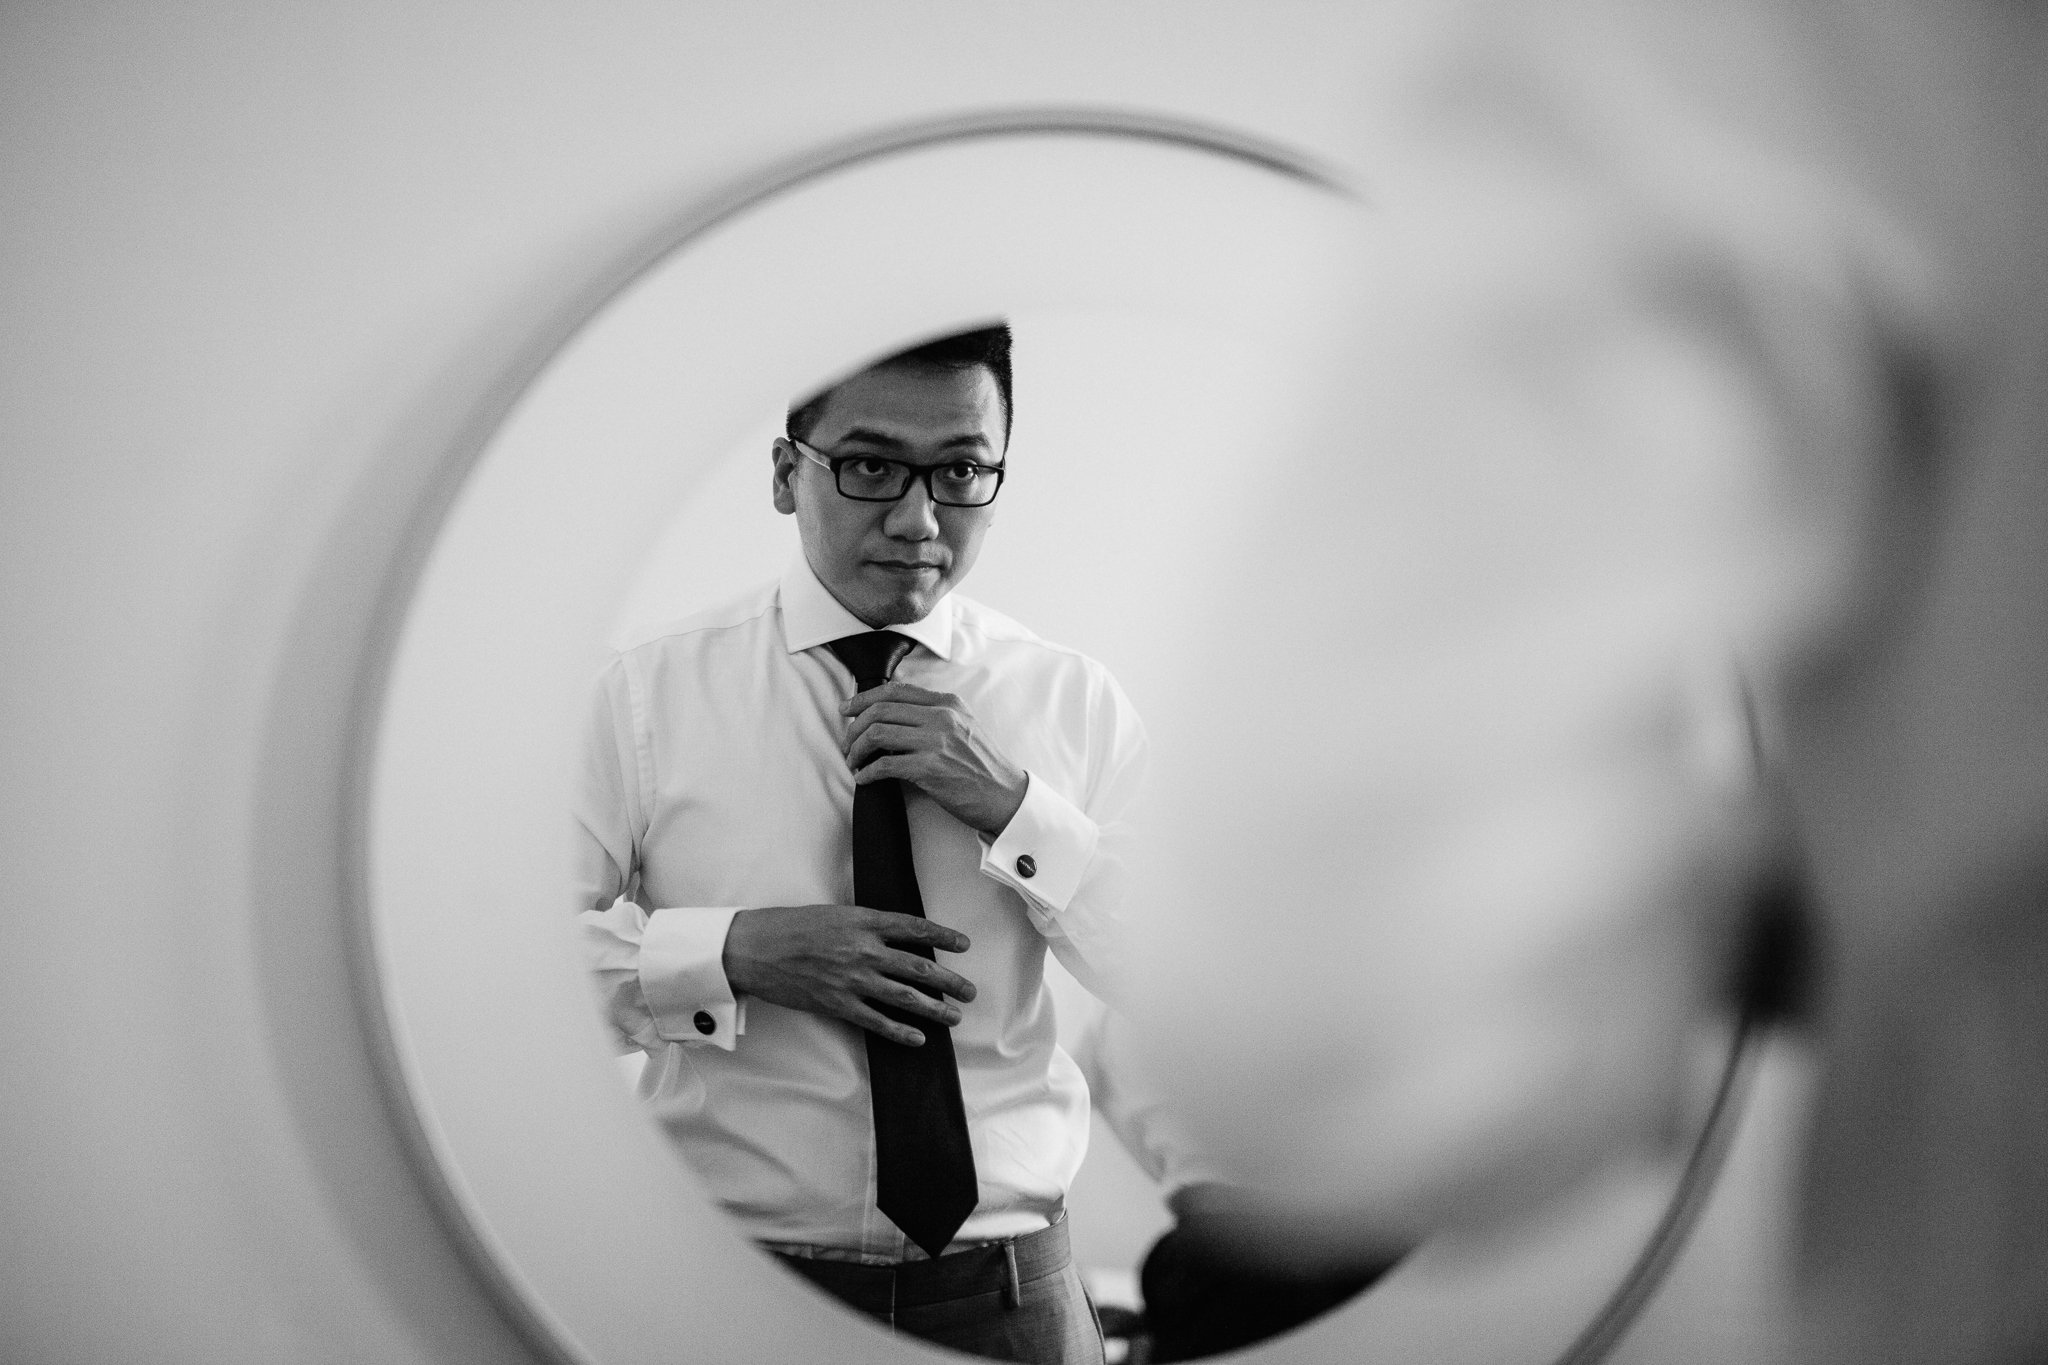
x: 914, y: 516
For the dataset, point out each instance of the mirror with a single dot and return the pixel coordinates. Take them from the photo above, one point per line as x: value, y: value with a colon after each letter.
x: 1119, y: 231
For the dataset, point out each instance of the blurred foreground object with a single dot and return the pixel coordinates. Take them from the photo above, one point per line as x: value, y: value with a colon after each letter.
x: 1687, y: 325
x: 1205, y: 1287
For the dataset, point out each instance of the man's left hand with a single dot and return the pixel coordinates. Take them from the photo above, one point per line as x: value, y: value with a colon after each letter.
x: 931, y: 741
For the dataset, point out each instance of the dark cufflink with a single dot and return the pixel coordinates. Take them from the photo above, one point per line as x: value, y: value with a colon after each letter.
x: 704, y: 1022
x: 1027, y: 866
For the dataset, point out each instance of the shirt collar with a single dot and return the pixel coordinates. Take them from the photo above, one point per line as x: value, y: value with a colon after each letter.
x: 812, y: 616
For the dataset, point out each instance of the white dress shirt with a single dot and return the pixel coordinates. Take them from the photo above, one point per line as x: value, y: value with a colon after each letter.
x: 712, y: 780
x: 1136, y: 1107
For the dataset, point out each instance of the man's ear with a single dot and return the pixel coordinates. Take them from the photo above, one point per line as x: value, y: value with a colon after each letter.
x: 786, y: 461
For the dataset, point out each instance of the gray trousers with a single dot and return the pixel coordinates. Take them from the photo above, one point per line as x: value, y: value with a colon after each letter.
x: 1019, y: 1300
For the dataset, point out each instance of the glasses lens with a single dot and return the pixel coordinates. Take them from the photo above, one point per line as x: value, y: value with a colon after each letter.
x: 964, y: 484
x: 876, y: 479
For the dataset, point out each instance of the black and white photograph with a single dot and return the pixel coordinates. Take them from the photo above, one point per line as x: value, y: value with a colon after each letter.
x: 1082, y: 684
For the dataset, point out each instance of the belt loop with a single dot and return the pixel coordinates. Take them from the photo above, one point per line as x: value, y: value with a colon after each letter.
x: 1013, y: 1292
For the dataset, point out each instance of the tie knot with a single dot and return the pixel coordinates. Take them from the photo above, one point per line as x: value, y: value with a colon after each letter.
x: 871, y: 657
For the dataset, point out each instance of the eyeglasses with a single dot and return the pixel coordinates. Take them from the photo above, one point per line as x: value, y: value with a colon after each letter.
x: 871, y: 478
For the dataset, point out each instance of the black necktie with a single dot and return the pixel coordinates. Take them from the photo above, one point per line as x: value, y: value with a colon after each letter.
x: 924, y: 1177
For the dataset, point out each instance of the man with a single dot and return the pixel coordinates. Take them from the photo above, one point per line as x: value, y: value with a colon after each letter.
x: 734, y: 765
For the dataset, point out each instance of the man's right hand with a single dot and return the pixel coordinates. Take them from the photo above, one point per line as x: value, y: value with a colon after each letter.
x: 836, y: 959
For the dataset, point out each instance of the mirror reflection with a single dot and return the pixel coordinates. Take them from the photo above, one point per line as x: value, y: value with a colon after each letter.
x: 852, y: 844
x: 1117, y: 528
x: 1073, y: 466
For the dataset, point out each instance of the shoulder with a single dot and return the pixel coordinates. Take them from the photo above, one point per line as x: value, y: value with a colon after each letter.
x: 737, y: 621
x: 712, y: 642
x: 987, y: 633
x: 982, y: 627
x: 1063, y: 691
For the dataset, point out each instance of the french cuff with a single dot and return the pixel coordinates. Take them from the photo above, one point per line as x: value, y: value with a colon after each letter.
x: 682, y: 976
x: 1045, y: 849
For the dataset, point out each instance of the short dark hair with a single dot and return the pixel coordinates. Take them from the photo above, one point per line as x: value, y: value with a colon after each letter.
x: 987, y: 347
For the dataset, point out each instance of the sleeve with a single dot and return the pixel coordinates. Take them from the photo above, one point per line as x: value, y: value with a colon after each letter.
x: 1068, y: 861
x: 1135, y: 1108
x: 659, y: 975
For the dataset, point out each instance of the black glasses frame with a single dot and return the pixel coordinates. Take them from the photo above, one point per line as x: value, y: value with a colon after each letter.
x: 835, y: 463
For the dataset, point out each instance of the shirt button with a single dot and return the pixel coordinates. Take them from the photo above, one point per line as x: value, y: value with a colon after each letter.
x: 1027, y: 866
x: 704, y: 1022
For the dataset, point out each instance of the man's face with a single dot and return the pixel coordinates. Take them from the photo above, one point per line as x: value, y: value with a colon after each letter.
x: 889, y: 563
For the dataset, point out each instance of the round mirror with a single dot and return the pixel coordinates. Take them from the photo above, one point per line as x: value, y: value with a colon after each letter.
x: 1161, y: 280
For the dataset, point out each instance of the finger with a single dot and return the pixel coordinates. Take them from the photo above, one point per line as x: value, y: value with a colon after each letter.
x: 897, y: 692
x: 934, y: 982
x: 900, y: 712
x: 867, y: 720
x: 874, y: 1021
x: 911, y: 1000
x: 914, y: 695
x: 877, y: 740
x: 915, y: 769
x: 896, y: 927
x: 931, y: 979
x: 861, y: 701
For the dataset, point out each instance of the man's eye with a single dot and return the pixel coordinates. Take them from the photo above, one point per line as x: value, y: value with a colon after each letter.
x: 870, y: 468
x: 962, y: 473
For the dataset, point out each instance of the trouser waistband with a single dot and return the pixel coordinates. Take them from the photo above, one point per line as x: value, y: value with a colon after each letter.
x: 997, y: 1266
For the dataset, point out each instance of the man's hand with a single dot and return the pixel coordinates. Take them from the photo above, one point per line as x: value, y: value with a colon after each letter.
x: 835, y: 959
x: 931, y: 740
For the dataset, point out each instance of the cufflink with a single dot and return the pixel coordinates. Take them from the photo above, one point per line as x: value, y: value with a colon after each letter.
x: 704, y: 1022
x: 1027, y: 866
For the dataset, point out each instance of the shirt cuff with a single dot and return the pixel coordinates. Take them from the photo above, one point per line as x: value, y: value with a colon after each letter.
x: 682, y: 976
x: 1045, y: 849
